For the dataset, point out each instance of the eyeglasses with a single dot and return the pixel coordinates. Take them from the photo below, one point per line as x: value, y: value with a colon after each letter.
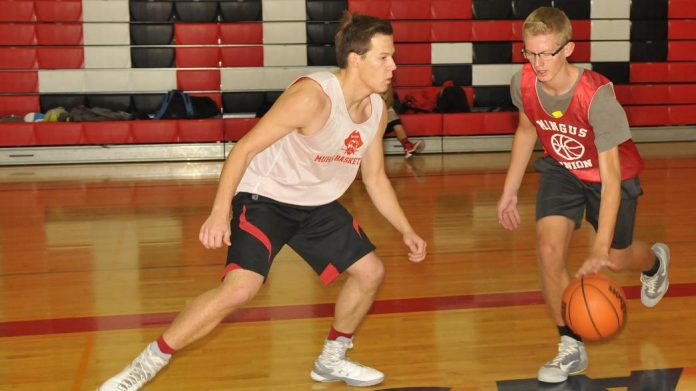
x: 543, y: 55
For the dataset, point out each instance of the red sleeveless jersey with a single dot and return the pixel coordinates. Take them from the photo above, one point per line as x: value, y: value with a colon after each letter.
x: 570, y: 139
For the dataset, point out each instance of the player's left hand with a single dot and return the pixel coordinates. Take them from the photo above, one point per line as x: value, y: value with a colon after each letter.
x: 416, y: 246
x: 594, y: 263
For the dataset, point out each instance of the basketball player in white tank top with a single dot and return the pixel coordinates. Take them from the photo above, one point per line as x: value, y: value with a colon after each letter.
x: 285, y: 176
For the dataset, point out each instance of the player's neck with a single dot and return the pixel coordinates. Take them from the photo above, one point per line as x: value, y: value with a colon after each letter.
x: 562, y: 82
x: 355, y: 92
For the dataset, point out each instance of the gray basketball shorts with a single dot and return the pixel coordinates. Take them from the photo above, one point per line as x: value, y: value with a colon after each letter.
x: 562, y: 194
x: 327, y: 237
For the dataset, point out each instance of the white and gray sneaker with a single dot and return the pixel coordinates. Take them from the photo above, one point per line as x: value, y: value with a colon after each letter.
x: 570, y: 360
x: 135, y: 375
x: 654, y: 287
x: 333, y: 365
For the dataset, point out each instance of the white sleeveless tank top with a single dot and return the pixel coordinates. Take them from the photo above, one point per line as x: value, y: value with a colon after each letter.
x: 316, y: 169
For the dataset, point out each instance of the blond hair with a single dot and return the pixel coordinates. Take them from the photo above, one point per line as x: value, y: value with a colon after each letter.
x: 548, y: 20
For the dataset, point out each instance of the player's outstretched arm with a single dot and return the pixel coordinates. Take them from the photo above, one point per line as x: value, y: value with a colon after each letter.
x: 522, y: 147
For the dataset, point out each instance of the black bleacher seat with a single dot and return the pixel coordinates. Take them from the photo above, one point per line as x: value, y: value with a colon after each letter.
x: 66, y: 101
x: 460, y: 74
x: 522, y: 8
x: 649, y: 51
x: 321, y: 33
x: 649, y: 9
x: 145, y: 104
x: 648, y: 30
x: 115, y: 102
x: 151, y: 33
x: 269, y: 98
x: 150, y: 11
x: 325, y: 10
x: 493, y: 97
x: 321, y: 55
x: 492, y: 52
x: 240, y: 11
x: 196, y: 11
x: 243, y: 102
x: 575, y: 9
x: 617, y: 72
x: 492, y: 9
x: 151, y: 57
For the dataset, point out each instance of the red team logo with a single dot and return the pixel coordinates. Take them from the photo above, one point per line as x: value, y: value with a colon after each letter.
x: 353, y: 142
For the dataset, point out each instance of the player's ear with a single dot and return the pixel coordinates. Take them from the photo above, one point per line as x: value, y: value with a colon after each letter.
x: 569, y: 49
x: 353, y: 59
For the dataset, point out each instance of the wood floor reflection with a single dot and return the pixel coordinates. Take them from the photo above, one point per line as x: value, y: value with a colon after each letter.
x: 95, y: 260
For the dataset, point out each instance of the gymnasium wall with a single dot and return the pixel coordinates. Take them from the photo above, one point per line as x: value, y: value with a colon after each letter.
x: 124, y: 55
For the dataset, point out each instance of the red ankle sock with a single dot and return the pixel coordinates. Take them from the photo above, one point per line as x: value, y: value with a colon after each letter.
x: 163, y: 347
x: 334, y: 334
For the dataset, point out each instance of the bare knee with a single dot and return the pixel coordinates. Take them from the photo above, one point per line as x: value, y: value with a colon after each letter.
x: 236, y: 292
x: 368, y: 272
x: 551, y: 258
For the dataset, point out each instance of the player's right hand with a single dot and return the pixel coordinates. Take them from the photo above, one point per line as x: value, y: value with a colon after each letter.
x: 215, y: 231
x: 508, y: 216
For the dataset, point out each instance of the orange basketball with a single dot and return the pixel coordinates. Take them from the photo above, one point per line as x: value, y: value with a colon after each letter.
x: 594, y: 307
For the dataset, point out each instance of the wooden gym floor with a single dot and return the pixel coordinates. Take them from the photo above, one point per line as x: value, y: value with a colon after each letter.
x: 95, y: 260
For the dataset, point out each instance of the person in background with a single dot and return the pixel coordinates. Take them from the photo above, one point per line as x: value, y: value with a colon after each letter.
x: 395, y: 126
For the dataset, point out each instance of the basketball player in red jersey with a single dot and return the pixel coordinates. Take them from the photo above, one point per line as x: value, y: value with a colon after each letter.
x: 281, y: 182
x: 590, y: 166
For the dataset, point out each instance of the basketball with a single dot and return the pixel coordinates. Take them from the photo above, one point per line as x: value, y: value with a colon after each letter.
x: 594, y: 307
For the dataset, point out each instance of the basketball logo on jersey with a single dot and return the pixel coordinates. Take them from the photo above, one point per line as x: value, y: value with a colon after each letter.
x: 353, y: 142
x: 566, y: 147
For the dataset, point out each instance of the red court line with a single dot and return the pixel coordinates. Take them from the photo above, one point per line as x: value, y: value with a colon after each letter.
x: 292, y: 312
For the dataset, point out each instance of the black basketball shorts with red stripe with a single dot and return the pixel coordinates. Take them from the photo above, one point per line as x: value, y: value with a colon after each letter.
x: 327, y: 237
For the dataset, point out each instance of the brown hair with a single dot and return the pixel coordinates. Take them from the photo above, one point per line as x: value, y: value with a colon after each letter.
x: 354, y: 33
x: 548, y: 20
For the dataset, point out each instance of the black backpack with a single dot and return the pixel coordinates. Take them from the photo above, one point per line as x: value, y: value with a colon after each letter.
x: 452, y: 99
x: 177, y: 104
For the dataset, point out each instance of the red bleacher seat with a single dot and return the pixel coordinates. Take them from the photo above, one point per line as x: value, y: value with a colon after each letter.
x: 412, y: 53
x: 646, y: 72
x: 582, y: 52
x: 682, y: 93
x: 241, y: 33
x: 14, y: 82
x: 379, y: 9
x: 17, y: 134
x: 682, y: 115
x: 681, y: 71
x: 644, y: 94
x: 17, y: 11
x: 58, y: 133
x: 422, y: 124
x: 196, y: 33
x: 411, y: 30
x: 681, y: 51
x: 19, y: 104
x: 59, y: 33
x: 681, y: 29
x: 647, y: 115
x: 198, y: 80
x: 236, y: 128
x: 107, y: 132
x: 409, y: 9
x: 450, y: 9
x: 681, y: 9
x: 582, y: 30
x: 495, y: 30
x: 451, y: 31
x: 202, y: 130
x: 58, y: 11
x: 198, y: 57
x: 163, y: 131
x: 413, y: 76
x: 17, y: 34
x: 471, y: 124
x: 61, y: 57
x: 17, y: 58
x: 242, y: 56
